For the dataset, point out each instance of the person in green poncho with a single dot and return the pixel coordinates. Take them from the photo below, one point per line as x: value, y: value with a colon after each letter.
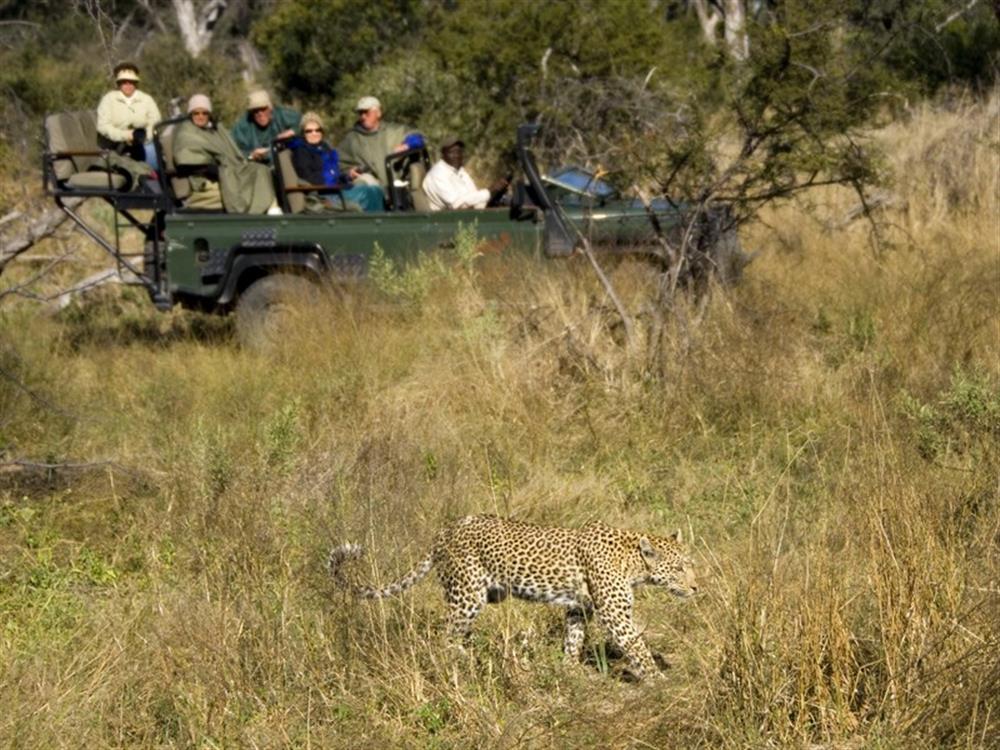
x: 220, y: 176
x: 364, y: 148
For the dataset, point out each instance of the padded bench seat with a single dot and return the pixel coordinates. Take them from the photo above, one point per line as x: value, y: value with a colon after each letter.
x: 98, y: 180
x: 73, y: 157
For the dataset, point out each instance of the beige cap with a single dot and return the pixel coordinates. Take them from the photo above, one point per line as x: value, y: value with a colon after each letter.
x: 367, y: 102
x: 258, y: 100
x: 199, y: 101
x: 450, y: 141
x: 312, y: 117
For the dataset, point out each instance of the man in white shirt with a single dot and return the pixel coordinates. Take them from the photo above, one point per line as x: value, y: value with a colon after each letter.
x: 448, y: 185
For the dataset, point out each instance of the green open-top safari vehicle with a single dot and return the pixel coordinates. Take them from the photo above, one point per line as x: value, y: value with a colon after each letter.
x: 220, y: 262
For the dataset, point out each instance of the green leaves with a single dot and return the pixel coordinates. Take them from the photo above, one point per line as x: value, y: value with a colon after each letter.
x: 312, y: 44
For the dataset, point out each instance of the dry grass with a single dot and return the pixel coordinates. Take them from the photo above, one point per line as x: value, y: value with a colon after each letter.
x: 828, y: 436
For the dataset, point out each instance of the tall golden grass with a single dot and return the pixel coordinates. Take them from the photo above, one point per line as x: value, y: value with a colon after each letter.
x: 827, y: 436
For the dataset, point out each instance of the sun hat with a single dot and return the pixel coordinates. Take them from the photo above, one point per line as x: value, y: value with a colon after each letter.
x: 126, y: 71
x: 258, y: 100
x: 367, y: 102
x: 199, y: 101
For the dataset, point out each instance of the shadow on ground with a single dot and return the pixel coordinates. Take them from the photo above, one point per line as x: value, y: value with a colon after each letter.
x: 127, y: 317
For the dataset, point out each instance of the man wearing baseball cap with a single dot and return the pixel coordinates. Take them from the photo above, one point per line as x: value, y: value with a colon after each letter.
x: 364, y: 149
x: 449, y: 186
x: 262, y: 125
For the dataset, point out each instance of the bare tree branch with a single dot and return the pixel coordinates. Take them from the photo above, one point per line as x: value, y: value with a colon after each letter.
x: 154, y: 15
x: 112, y: 275
x: 122, y: 28
x: 19, y: 465
x: 961, y: 11
x: 102, y: 20
x: 20, y: 290
x: 12, y: 216
x: 41, y: 227
x: 609, y: 289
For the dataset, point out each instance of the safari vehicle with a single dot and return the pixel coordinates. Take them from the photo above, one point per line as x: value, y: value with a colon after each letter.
x: 222, y: 262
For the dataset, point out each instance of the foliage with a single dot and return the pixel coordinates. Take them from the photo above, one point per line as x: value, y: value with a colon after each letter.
x: 312, y: 44
x: 413, y: 282
x: 797, y: 112
x: 962, y: 421
x: 506, y: 49
x: 924, y: 50
x: 415, y: 86
x: 174, y: 76
x: 45, y: 73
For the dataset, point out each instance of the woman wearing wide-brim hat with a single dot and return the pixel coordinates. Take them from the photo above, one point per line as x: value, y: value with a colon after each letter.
x: 126, y: 116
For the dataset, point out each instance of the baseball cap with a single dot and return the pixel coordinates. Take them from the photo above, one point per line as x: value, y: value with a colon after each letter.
x: 258, y: 100
x: 367, y: 102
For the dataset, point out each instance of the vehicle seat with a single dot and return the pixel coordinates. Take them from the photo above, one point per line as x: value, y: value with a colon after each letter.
x: 77, y: 163
x: 292, y: 191
x: 418, y: 171
x: 294, y: 202
x: 180, y: 187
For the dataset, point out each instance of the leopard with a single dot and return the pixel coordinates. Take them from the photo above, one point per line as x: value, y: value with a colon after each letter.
x: 590, y: 570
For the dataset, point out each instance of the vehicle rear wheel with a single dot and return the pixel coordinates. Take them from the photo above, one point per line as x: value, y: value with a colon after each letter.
x: 272, y: 307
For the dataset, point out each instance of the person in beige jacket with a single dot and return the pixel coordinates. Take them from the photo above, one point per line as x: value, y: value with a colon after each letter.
x: 126, y: 117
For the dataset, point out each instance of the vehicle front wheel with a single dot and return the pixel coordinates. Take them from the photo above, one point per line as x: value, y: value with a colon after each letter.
x: 272, y: 307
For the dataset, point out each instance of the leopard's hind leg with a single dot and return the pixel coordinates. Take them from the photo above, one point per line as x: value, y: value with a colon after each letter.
x: 576, y: 631
x: 465, y: 592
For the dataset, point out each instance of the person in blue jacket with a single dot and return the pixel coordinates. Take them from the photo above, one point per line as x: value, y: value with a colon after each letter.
x: 317, y: 163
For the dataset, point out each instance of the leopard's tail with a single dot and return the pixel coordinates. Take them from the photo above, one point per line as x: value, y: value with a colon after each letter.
x: 343, y: 553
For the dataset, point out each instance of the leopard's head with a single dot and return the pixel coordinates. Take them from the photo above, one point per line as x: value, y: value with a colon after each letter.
x: 667, y: 564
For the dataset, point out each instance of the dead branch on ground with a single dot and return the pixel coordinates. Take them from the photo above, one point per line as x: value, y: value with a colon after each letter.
x: 38, y: 228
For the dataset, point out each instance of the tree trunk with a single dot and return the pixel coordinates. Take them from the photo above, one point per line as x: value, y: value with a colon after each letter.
x: 736, y: 29
x: 252, y: 64
x: 709, y: 18
x: 732, y: 14
x: 196, y: 25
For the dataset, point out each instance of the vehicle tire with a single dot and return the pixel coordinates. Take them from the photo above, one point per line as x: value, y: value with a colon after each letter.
x: 273, y: 306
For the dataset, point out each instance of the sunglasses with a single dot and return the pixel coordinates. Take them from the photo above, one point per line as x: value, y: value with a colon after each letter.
x: 312, y: 130
x: 200, y: 113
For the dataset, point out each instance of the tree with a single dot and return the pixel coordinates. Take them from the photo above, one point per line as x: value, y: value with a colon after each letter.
x: 311, y: 45
x: 513, y: 57
x: 793, y: 116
